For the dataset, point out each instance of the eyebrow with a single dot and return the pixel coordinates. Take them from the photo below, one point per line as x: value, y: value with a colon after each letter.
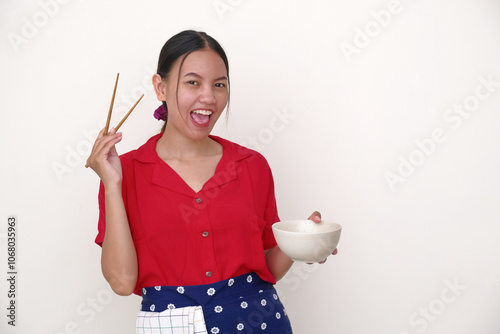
x: 199, y: 76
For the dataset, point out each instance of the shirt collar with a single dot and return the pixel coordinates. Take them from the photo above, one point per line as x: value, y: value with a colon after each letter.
x: 232, y: 151
x: 226, y: 171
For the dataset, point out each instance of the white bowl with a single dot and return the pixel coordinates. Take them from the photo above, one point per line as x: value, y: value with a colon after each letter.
x: 307, y: 241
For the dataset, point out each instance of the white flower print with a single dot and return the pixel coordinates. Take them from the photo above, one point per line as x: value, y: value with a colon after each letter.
x: 144, y: 291
x: 171, y: 306
x: 214, y: 330
x: 260, y: 291
x: 263, y: 326
x: 152, y: 308
x: 218, y: 309
x: 157, y: 288
x: 244, y: 305
x: 230, y: 282
x: 278, y: 315
x: 211, y: 291
x: 180, y: 289
x: 263, y: 302
x: 284, y: 312
x: 240, y: 326
x: 249, y: 278
x: 275, y: 296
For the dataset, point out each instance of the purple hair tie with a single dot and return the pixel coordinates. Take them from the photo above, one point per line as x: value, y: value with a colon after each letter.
x: 160, y: 113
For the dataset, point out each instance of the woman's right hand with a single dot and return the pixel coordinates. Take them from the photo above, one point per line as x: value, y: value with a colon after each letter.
x: 104, y: 159
x: 119, y: 258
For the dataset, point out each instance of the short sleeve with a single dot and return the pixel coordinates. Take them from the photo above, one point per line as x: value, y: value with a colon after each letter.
x: 101, y: 224
x: 270, y: 216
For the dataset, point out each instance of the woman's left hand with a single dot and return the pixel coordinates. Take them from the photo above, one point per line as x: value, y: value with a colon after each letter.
x: 316, y: 217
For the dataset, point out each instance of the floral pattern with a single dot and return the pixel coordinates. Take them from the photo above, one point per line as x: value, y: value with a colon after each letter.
x: 220, y: 310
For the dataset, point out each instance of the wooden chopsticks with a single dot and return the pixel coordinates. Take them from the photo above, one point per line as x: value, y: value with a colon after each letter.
x: 106, y: 128
x: 129, y: 112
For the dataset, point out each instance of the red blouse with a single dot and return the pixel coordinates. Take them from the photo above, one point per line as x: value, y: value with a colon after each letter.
x: 187, y: 238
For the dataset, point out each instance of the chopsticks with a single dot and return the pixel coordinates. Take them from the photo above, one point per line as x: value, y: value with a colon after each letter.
x: 106, y: 128
x: 111, y: 105
x: 129, y: 112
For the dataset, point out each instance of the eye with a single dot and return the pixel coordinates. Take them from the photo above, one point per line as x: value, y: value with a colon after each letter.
x: 192, y: 82
x: 220, y: 85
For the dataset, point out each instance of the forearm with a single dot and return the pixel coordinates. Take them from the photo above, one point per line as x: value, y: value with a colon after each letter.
x: 278, y: 262
x: 119, y: 259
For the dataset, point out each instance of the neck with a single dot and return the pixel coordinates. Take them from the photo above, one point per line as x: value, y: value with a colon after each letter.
x: 170, y: 146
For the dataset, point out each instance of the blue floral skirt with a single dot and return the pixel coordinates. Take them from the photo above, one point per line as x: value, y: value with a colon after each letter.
x: 243, y: 304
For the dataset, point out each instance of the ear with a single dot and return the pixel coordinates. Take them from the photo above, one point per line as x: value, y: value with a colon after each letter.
x: 160, y: 87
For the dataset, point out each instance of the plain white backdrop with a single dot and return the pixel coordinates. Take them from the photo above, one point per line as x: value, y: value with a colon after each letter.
x: 383, y: 115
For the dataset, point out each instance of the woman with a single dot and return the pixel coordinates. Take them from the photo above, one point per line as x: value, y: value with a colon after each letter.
x: 185, y: 220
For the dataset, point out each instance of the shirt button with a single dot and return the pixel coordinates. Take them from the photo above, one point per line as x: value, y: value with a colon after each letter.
x: 198, y: 200
x: 208, y: 273
x: 205, y: 234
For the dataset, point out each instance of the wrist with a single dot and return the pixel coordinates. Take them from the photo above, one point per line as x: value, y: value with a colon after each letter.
x: 113, y: 187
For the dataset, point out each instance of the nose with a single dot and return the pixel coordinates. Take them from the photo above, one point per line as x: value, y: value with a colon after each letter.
x: 207, y: 95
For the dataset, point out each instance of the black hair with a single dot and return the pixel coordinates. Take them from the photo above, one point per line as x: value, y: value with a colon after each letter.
x: 181, y: 45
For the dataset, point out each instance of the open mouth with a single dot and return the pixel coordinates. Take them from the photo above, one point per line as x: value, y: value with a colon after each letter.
x: 201, y: 116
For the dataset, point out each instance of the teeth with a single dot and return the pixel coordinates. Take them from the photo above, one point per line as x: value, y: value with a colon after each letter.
x: 203, y: 112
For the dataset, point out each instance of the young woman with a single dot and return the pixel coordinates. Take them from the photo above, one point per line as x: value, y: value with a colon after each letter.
x: 185, y: 220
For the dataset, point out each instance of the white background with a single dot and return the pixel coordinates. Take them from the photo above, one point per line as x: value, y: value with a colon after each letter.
x: 354, y: 117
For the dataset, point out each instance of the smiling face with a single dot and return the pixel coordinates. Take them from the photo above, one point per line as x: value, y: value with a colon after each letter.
x: 195, y: 96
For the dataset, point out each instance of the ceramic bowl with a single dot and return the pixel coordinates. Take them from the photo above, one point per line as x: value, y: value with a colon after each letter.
x: 307, y: 241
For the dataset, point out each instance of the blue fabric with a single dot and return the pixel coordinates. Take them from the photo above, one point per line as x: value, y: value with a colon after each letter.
x: 243, y: 304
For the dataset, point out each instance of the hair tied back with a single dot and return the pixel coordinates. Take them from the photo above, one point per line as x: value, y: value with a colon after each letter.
x: 160, y: 113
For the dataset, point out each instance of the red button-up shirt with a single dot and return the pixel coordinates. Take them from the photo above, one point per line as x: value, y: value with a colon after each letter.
x: 187, y: 238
